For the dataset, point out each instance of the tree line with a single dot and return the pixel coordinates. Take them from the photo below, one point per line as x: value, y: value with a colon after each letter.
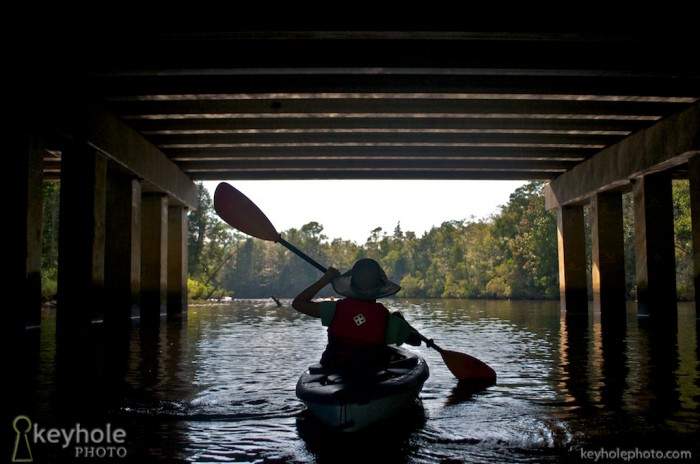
x: 512, y: 254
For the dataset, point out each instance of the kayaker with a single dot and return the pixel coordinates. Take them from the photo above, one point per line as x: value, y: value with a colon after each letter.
x: 359, y: 328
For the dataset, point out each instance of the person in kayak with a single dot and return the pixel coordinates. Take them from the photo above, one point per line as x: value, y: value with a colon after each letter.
x: 359, y: 328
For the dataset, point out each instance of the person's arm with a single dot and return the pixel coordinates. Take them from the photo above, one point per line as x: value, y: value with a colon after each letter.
x: 303, y: 302
x: 399, y: 331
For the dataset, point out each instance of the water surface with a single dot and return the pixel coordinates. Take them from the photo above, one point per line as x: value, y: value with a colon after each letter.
x: 219, y: 387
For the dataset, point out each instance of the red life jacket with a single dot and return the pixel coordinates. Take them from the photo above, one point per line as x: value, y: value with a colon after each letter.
x: 358, y: 323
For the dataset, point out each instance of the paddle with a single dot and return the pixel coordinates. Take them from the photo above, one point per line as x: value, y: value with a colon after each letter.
x: 241, y: 213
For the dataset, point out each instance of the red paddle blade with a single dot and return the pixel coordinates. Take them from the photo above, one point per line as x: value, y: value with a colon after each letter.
x: 241, y: 213
x: 466, y: 367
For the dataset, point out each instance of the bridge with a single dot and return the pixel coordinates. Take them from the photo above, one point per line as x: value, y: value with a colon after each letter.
x: 128, y: 121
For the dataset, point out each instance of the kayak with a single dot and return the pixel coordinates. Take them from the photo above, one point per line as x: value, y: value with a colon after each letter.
x: 349, y: 400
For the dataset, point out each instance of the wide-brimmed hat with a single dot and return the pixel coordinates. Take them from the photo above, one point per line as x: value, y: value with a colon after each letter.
x: 365, y: 281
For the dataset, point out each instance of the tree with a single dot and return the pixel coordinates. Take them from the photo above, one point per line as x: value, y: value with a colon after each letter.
x: 512, y: 255
x: 197, y: 228
x: 210, y: 243
x: 526, y: 233
x: 49, y: 240
x: 50, y: 215
x: 683, y: 240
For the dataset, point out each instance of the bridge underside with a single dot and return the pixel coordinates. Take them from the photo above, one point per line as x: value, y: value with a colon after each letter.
x: 372, y: 104
x: 127, y: 122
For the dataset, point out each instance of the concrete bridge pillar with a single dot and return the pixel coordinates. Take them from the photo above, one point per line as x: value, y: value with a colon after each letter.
x: 177, y: 261
x: 608, y: 257
x: 572, y: 260
x: 81, y: 239
x: 654, y: 247
x: 694, y: 186
x: 154, y: 257
x: 123, y: 250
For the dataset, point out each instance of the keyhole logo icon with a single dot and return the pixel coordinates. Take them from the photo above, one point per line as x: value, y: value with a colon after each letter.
x: 22, y: 451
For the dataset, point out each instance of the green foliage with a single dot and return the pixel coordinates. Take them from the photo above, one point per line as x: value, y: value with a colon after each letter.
x: 511, y: 255
x: 211, y: 246
x: 197, y: 290
x: 49, y: 284
x: 683, y: 240
x: 412, y: 286
x: 49, y: 234
x: 526, y: 233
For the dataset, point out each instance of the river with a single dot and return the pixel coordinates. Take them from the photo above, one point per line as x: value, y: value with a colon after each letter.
x: 219, y: 385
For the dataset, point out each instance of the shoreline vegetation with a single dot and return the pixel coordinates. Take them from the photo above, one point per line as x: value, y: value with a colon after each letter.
x: 510, y: 255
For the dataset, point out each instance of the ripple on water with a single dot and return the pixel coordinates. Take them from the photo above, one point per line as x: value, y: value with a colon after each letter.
x: 222, y: 389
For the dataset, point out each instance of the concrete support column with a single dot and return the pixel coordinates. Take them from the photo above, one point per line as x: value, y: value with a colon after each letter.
x: 694, y: 186
x: 654, y: 247
x: 123, y: 250
x: 572, y: 260
x: 81, y: 240
x: 608, y: 270
x: 177, y: 261
x: 154, y: 256
x: 22, y: 220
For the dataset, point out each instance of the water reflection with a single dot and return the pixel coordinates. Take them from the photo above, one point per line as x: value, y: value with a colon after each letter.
x: 658, y: 363
x: 611, y: 337
x: 465, y: 391
x: 219, y: 386
x: 393, y: 442
x: 574, y: 343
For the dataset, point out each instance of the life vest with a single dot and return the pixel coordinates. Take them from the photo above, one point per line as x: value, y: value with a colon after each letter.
x: 358, y: 323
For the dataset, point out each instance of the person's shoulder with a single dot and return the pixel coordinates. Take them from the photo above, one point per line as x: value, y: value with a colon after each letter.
x: 327, y: 311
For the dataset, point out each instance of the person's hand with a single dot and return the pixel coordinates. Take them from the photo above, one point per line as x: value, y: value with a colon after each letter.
x: 331, y: 274
x: 414, y: 339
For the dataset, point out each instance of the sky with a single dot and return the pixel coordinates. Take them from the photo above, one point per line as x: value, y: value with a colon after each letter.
x: 352, y: 209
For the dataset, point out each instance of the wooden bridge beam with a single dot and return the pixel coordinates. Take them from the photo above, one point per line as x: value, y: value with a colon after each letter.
x: 608, y: 256
x: 81, y: 239
x: 154, y: 257
x: 177, y: 261
x: 654, y: 247
x: 572, y: 260
x: 123, y: 250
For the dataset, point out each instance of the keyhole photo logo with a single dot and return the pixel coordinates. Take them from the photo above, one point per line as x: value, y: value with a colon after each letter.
x: 22, y: 452
x: 77, y: 441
